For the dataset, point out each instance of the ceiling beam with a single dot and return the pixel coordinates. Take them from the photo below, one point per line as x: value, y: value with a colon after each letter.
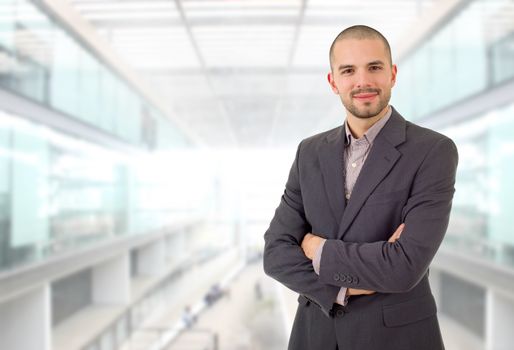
x: 294, y: 44
x: 221, y: 107
x: 212, y: 71
x: 224, y: 21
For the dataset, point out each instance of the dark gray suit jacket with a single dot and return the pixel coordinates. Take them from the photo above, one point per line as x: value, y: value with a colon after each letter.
x: 409, y: 178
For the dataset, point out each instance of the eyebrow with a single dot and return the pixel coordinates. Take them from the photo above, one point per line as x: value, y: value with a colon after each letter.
x: 372, y: 63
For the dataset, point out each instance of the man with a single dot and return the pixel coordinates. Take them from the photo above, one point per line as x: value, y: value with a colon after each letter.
x: 335, y: 237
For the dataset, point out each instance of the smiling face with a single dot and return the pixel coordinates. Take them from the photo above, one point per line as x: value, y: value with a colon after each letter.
x: 362, y: 76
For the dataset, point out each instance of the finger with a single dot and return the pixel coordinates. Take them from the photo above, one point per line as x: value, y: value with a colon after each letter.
x: 396, y: 233
x: 354, y: 291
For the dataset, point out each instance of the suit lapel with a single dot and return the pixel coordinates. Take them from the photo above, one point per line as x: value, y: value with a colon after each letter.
x: 331, y: 163
x: 381, y: 159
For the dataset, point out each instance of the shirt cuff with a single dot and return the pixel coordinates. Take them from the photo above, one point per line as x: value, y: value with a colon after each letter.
x: 317, y: 257
x: 341, y: 297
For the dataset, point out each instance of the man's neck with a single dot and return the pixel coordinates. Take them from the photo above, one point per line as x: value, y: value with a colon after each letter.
x: 359, y: 126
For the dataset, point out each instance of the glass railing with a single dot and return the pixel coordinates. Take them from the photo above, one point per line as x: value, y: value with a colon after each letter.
x: 469, y: 54
x: 42, y: 61
x: 482, y: 221
x: 58, y: 192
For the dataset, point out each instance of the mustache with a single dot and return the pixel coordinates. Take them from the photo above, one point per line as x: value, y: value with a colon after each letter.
x: 365, y: 91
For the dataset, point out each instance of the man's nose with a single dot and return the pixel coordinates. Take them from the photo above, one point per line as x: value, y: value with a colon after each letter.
x: 363, y: 79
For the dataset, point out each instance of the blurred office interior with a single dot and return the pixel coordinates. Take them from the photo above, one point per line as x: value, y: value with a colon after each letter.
x: 144, y: 145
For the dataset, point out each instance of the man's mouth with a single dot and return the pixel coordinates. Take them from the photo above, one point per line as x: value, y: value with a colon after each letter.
x: 367, y: 96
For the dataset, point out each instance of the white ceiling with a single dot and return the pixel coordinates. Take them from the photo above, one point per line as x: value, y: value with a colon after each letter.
x: 243, y: 73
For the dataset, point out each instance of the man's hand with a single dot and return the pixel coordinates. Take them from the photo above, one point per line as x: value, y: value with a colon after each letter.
x: 392, y: 239
x: 310, y: 244
x: 396, y: 234
x: 355, y: 291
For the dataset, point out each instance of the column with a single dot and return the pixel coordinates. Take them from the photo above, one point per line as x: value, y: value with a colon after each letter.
x: 151, y: 258
x: 25, y: 321
x: 111, y: 281
x: 499, y: 321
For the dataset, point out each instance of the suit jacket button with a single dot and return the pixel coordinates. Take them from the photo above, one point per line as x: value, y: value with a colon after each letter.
x: 344, y: 278
x: 355, y: 280
x: 336, y: 277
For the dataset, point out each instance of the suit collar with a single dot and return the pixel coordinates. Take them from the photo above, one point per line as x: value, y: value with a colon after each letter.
x: 372, y: 132
x: 393, y: 131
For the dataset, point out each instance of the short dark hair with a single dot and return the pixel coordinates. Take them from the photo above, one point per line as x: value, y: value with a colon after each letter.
x: 361, y: 32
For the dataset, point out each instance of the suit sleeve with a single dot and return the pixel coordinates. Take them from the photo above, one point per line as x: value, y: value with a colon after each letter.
x: 284, y: 259
x: 398, y: 267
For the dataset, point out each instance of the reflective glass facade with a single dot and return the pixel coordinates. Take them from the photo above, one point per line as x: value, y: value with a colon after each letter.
x: 470, y: 54
x: 482, y: 218
x: 42, y: 61
x: 58, y: 192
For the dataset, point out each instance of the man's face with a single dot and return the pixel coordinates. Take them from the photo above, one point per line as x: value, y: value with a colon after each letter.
x: 362, y: 76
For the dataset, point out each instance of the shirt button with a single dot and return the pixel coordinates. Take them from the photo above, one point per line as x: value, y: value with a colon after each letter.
x: 354, y: 165
x: 347, y: 196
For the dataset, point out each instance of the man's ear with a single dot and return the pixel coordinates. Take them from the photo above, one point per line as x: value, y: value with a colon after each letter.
x: 394, y: 71
x: 330, y: 78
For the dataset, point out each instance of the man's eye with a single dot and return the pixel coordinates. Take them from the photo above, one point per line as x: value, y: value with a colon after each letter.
x: 347, y: 71
x: 375, y: 67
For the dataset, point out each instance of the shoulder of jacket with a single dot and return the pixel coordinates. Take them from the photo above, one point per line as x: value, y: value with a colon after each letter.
x: 422, y: 135
x: 314, y: 140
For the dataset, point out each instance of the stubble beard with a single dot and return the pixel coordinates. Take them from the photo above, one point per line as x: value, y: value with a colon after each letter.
x: 368, y: 111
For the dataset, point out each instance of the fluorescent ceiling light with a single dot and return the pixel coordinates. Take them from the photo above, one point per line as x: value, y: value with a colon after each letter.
x: 266, y: 13
x: 209, y: 30
x: 149, y: 15
x: 148, y: 31
x: 240, y: 4
x: 125, y: 6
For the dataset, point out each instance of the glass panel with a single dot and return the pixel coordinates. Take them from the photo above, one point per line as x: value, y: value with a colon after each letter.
x: 64, y: 80
x: 108, y: 107
x: 7, y: 20
x: 89, y: 88
x: 33, y: 47
x: 29, y: 187
x: 502, y: 53
x: 501, y: 174
x: 57, y: 192
x: 85, y: 182
x: 5, y: 194
x: 482, y: 218
x: 440, y: 68
x: 469, y: 54
x: 470, y: 73
x: 40, y: 60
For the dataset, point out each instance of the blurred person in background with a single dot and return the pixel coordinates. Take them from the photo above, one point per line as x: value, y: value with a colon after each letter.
x: 365, y: 208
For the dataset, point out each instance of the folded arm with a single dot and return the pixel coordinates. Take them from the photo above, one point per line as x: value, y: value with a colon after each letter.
x: 284, y: 259
x: 397, y: 267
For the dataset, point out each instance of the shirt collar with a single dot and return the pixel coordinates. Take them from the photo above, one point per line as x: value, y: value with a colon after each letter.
x: 372, y: 132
